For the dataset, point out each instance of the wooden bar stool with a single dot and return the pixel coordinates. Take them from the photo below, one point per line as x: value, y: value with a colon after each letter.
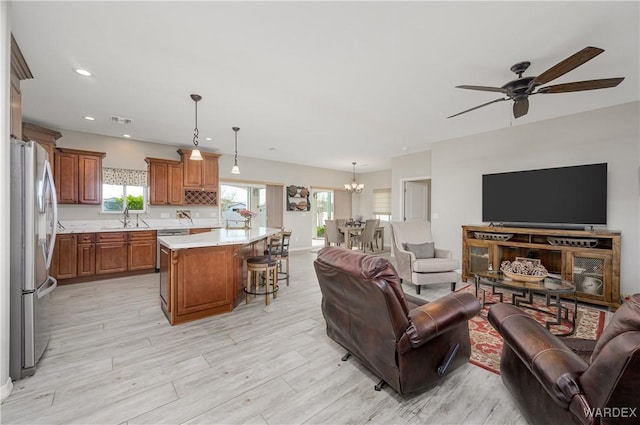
x: 283, y: 255
x: 266, y: 266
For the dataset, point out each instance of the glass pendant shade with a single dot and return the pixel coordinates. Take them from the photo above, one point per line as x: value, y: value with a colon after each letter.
x: 195, y: 155
x: 235, y: 169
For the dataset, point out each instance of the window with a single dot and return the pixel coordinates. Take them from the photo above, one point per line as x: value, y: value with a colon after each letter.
x: 123, y: 189
x: 238, y: 196
x: 382, y: 204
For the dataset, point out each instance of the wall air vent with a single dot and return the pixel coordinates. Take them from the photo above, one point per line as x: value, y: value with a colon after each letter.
x: 120, y: 120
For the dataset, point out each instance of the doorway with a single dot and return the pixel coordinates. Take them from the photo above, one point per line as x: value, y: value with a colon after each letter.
x: 322, y: 208
x: 416, y: 199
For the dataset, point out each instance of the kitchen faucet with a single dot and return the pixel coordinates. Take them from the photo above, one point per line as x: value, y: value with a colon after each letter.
x: 125, y: 219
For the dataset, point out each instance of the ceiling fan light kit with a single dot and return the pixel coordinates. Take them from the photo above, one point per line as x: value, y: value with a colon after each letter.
x: 521, y: 88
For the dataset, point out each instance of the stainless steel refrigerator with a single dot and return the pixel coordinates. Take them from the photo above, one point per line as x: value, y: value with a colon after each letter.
x: 33, y: 222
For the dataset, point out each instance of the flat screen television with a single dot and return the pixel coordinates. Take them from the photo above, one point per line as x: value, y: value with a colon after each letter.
x: 550, y: 197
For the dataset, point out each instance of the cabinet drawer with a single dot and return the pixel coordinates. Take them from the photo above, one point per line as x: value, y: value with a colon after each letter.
x: 146, y: 235
x: 84, y: 238
x: 111, y: 237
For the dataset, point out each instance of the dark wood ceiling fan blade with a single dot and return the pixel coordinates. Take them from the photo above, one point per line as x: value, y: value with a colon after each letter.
x: 520, y: 107
x: 604, y: 83
x: 570, y: 63
x: 483, y: 88
x: 479, y: 106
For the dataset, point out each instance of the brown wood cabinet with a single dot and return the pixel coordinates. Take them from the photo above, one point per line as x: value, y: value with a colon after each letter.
x: 200, y: 175
x: 78, y: 176
x: 64, y: 260
x: 86, y: 254
x: 165, y: 181
x: 111, y: 252
x: 199, y: 230
x: 591, y: 260
x: 19, y: 71
x: 198, y: 282
x: 44, y: 136
x: 142, y: 250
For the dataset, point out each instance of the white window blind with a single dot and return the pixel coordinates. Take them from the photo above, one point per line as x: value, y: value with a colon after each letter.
x: 124, y: 177
x: 382, y: 201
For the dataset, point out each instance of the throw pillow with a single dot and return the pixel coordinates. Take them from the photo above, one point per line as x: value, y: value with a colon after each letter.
x: 421, y: 250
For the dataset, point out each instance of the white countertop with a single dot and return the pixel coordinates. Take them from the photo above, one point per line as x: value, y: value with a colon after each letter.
x: 217, y: 237
x: 115, y: 225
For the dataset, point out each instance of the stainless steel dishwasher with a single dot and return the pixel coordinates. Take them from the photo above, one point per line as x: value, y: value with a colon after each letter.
x: 167, y: 232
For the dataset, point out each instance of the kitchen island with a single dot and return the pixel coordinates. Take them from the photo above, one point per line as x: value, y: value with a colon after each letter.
x: 203, y: 274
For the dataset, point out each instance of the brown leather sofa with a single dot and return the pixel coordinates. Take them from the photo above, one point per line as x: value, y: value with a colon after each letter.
x: 552, y: 385
x: 408, y: 343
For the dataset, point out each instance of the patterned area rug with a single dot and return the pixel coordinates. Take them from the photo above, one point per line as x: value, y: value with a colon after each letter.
x: 486, y: 342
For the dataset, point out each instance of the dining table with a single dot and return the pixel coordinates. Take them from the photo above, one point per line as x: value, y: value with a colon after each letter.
x: 350, y: 231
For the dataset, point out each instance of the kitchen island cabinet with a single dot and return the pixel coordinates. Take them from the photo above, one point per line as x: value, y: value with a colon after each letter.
x: 203, y: 274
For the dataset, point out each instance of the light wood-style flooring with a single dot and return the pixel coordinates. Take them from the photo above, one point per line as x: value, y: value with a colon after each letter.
x: 114, y: 359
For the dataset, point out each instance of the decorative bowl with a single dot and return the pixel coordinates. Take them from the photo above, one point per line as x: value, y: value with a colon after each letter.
x: 524, y: 277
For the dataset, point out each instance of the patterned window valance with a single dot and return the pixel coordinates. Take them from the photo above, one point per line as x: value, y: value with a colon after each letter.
x: 121, y: 176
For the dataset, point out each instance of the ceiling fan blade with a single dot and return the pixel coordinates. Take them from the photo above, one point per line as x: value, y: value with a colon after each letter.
x: 570, y: 63
x: 479, y: 106
x: 483, y: 88
x: 582, y: 85
x: 520, y: 107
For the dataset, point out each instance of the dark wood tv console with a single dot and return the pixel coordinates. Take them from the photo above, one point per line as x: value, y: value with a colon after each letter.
x: 589, y: 259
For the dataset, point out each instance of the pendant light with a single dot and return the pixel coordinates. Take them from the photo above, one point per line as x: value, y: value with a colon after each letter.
x: 195, y: 154
x: 354, y: 186
x: 235, y: 169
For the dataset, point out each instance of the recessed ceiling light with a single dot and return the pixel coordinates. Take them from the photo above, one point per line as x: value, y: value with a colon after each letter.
x: 208, y: 138
x: 83, y: 72
x: 404, y: 148
x: 88, y: 118
x: 126, y: 135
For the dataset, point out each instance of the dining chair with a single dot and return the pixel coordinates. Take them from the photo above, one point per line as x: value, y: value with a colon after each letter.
x: 368, y: 234
x: 332, y: 234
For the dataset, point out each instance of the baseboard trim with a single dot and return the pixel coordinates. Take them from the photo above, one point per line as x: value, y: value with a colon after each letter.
x: 6, y: 389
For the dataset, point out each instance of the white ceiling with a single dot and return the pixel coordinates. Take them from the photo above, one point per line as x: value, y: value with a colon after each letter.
x: 315, y: 83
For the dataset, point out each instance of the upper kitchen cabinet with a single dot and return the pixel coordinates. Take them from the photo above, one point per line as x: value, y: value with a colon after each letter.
x: 45, y: 137
x: 19, y: 71
x: 200, y: 175
x: 78, y: 176
x: 165, y: 181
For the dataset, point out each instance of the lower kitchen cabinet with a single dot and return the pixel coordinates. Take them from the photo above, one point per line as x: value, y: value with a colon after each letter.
x: 86, y: 254
x: 111, y: 252
x: 64, y: 261
x: 142, y: 250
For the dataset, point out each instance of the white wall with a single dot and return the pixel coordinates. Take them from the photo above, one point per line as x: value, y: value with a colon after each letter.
x: 127, y: 153
x: 413, y: 166
x: 607, y: 135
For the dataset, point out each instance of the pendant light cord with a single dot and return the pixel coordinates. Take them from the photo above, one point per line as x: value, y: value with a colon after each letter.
x: 195, y: 130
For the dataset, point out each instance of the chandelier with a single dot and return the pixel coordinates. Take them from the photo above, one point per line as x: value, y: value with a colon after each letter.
x: 195, y: 154
x: 354, y: 186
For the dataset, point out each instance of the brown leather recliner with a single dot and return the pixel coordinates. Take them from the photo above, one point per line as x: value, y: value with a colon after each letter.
x: 408, y: 343
x: 552, y: 385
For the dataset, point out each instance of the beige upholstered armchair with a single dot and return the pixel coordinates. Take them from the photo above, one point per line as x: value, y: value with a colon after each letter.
x: 417, y: 260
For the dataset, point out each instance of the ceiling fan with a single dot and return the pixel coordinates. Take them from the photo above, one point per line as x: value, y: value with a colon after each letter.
x: 520, y: 89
